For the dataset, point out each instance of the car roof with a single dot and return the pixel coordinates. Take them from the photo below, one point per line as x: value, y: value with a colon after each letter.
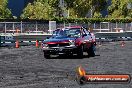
x: 68, y: 28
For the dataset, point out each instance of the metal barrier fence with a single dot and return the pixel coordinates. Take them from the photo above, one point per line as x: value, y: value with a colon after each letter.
x: 102, y: 26
x: 29, y: 32
x: 24, y: 27
x: 43, y: 27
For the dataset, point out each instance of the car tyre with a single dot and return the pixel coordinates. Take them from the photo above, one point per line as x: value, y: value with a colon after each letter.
x: 80, y: 52
x: 47, y: 56
x: 91, y: 50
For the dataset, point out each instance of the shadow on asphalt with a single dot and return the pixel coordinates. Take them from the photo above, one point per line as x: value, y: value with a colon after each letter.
x: 97, y: 55
x: 69, y: 57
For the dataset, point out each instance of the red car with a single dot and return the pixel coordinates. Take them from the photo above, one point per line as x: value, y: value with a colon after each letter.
x: 69, y: 41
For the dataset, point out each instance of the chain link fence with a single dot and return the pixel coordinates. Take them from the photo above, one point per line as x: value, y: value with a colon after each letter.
x: 105, y: 26
x: 43, y: 27
x: 24, y: 27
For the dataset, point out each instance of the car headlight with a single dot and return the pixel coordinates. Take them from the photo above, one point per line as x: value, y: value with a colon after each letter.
x: 72, y: 43
x: 45, y: 45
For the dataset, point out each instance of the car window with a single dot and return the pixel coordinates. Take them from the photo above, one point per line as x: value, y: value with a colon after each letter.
x: 73, y: 32
x: 87, y: 32
x: 55, y: 32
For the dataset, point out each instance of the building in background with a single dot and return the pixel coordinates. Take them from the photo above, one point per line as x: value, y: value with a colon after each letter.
x: 17, y: 6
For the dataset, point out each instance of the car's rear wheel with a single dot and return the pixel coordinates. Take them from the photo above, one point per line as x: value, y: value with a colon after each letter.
x: 80, y: 52
x: 91, y: 50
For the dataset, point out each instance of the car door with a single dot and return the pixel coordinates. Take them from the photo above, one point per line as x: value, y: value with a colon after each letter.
x: 87, y: 39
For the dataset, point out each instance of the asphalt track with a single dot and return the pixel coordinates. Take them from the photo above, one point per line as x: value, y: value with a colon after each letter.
x: 25, y: 67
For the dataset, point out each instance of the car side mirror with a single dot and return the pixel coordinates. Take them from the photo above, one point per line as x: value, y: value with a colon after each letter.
x: 84, y: 35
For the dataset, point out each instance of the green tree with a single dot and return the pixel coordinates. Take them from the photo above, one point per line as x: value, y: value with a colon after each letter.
x: 39, y: 9
x: 97, y: 15
x: 98, y: 6
x: 81, y: 7
x: 58, y: 11
x: 5, y: 13
x: 119, y: 9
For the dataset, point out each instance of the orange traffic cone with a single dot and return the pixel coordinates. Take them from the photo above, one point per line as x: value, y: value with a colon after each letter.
x: 17, y: 44
x: 37, y: 43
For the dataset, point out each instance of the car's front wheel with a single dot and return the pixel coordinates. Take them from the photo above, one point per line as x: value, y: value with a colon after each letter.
x: 80, y: 52
x: 91, y: 50
x: 47, y: 56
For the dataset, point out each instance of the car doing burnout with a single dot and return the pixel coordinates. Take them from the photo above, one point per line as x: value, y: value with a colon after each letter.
x: 69, y: 41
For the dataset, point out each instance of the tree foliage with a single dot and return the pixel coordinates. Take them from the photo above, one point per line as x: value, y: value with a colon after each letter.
x: 46, y: 9
x: 82, y: 7
x: 58, y: 11
x: 118, y: 9
x: 93, y: 20
x: 5, y: 13
x: 39, y: 9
